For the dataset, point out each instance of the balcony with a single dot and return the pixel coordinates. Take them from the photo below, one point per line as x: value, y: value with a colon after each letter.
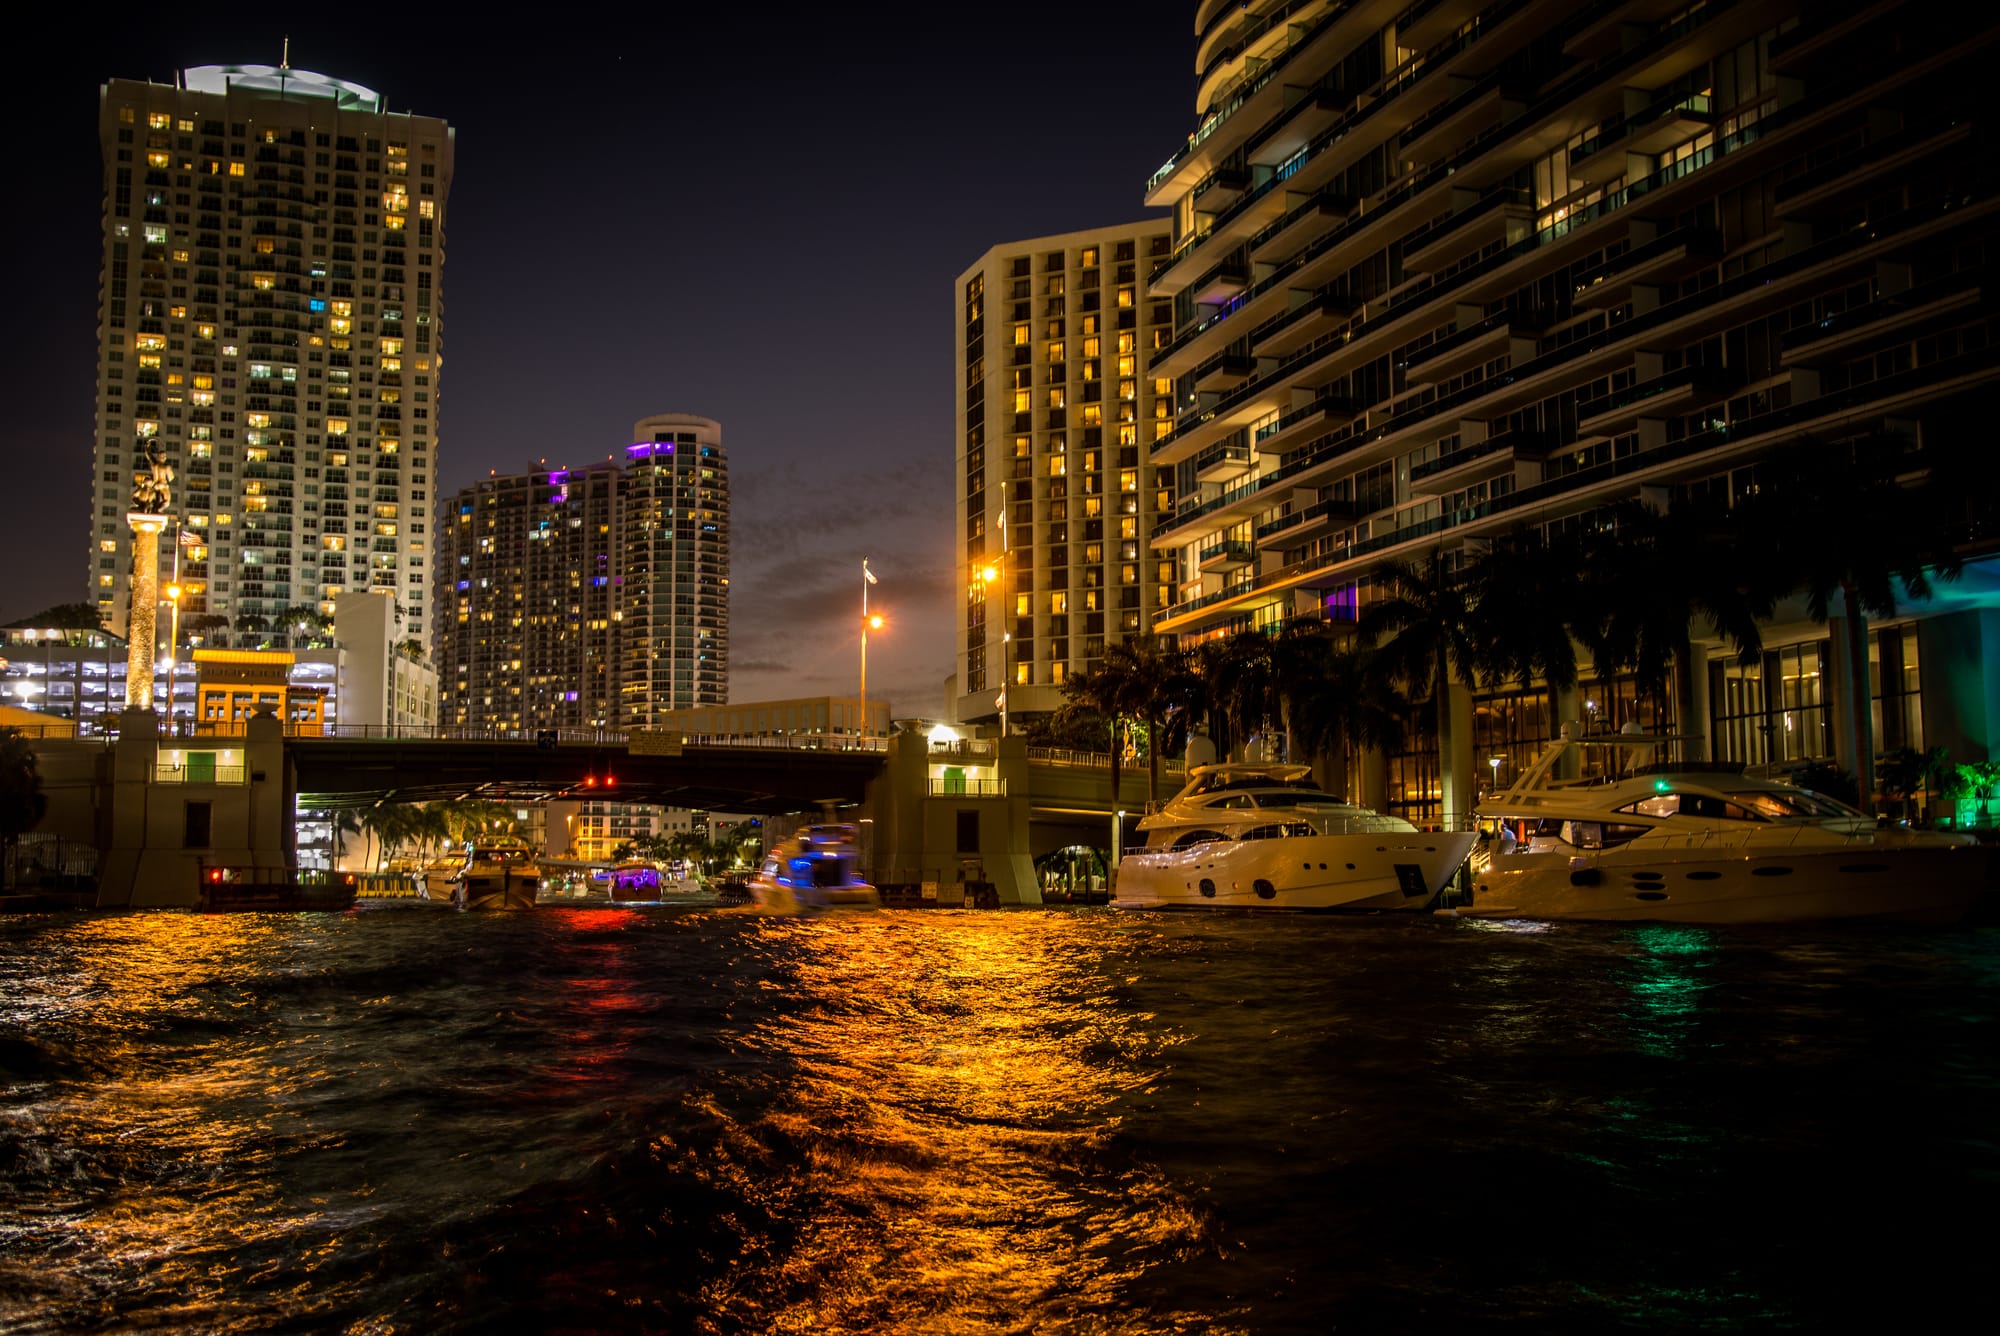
x: 1502, y: 216
x: 1220, y: 188
x: 1227, y: 280
x: 1863, y: 171
x: 1482, y: 459
x: 1677, y: 392
x: 1276, y: 438
x: 1472, y: 345
x: 1894, y: 318
x: 1222, y: 463
x: 1440, y: 132
x: 1224, y: 372
x: 1299, y: 225
x: 1665, y: 258
x: 1307, y: 523
x: 1651, y: 129
x: 1226, y: 556
x: 1299, y: 327
x: 1428, y: 24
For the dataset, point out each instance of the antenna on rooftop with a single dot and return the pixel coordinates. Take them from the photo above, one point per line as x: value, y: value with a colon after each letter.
x: 285, y: 61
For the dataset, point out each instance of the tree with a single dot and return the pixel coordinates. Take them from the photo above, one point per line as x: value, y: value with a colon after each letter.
x: 1531, y: 601
x: 1854, y: 521
x: 203, y: 625
x: 22, y: 802
x: 1103, y: 694
x: 302, y: 621
x: 66, y: 617
x: 1654, y: 576
x: 1343, y: 705
x: 1427, y: 634
x: 1243, y: 677
x: 1150, y: 680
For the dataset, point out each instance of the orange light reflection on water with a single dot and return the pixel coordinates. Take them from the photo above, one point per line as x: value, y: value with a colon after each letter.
x: 956, y: 1105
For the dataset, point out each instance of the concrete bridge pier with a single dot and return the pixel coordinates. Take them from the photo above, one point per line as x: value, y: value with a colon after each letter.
x: 184, y: 803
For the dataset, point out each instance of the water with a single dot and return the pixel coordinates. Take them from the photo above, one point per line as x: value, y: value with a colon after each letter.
x: 999, y: 1122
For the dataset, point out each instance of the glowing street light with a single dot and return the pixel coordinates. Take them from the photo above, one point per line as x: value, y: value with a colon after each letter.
x: 173, y: 642
x: 990, y: 575
x: 868, y: 623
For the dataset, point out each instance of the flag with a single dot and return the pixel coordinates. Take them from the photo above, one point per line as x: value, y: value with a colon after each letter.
x: 867, y: 574
x: 189, y: 538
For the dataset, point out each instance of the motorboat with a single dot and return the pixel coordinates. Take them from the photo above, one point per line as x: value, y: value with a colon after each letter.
x: 643, y: 882
x: 496, y: 873
x: 1634, y: 838
x: 816, y: 868
x: 1262, y: 835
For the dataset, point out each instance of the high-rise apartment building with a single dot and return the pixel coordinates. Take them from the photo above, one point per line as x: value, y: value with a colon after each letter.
x: 1443, y: 269
x: 1057, y: 495
x: 673, y: 554
x: 593, y: 597
x: 271, y: 329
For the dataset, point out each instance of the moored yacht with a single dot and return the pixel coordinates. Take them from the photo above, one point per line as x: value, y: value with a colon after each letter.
x: 1262, y: 835
x: 1700, y: 842
x: 816, y: 868
x: 496, y: 873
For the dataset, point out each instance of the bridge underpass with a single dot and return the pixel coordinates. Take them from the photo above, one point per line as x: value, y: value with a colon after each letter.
x: 336, y: 773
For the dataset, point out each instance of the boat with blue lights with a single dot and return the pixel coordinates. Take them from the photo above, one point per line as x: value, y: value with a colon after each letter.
x: 817, y: 868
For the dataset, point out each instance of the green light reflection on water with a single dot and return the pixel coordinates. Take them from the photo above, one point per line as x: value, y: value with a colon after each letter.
x: 1666, y: 981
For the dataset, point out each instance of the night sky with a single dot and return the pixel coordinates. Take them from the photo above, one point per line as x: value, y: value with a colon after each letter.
x: 755, y: 219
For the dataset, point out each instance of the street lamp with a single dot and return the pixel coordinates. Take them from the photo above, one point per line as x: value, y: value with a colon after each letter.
x: 868, y: 624
x: 173, y: 641
x: 1494, y: 761
x: 989, y: 575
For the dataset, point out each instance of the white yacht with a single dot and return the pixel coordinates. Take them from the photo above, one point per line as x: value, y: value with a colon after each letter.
x: 494, y: 873
x: 815, y: 869
x: 1259, y: 835
x: 1701, y: 842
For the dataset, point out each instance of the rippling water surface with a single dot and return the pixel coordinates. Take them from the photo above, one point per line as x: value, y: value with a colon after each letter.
x: 998, y: 1122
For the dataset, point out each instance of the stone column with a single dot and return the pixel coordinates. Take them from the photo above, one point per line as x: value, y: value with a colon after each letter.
x: 141, y: 649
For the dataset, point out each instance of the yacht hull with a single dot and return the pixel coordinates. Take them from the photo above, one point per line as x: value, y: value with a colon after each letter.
x: 1400, y: 870
x: 770, y: 896
x: 513, y: 888
x: 1886, y: 882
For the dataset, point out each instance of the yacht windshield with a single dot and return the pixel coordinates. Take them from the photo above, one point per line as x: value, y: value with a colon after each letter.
x: 1793, y: 803
x: 1308, y: 801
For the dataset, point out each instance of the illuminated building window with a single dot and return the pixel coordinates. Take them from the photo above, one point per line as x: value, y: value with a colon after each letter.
x: 159, y: 120
x: 236, y: 169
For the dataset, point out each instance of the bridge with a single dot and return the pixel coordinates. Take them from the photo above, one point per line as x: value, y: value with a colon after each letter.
x: 978, y: 810
x: 341, y: 770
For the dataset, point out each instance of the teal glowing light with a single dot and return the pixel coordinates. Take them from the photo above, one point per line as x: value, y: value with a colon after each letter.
x: 1660, y: 786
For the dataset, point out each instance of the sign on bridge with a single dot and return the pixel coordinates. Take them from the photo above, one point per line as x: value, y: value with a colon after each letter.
x: 651, y: 742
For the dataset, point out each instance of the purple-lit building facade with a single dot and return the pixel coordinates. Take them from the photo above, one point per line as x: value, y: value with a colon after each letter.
x: 593, y: 597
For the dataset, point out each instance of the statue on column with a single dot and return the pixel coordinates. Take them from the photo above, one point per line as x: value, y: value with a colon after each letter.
x: 150, y: 492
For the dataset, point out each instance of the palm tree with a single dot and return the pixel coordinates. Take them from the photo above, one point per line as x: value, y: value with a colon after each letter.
x: 1654, y: 576
x: 66, y: 617
x: 200, y: 627
x: 1151, y: 681
x: 303, y: 622
x: 1103, y: 695
x: 1428, y: 634
x: 22, y: 802
x: 1528, y: 595
x: 1849, y: 520
x: 1243, y: 678
x: 1342, y: 706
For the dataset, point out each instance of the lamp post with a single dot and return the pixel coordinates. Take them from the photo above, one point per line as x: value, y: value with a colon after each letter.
x: 990, y: 575
x: 868, y: 623
x: 173, y: 640
x: 1494, y: 761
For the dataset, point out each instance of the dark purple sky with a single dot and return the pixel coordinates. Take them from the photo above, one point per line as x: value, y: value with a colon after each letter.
x: 757, y: 219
